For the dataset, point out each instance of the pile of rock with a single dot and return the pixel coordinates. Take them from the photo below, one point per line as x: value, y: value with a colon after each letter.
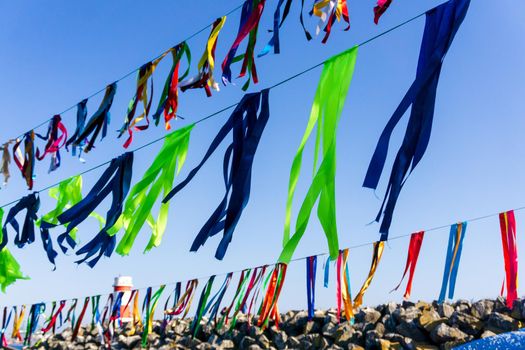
x: 389, y: 326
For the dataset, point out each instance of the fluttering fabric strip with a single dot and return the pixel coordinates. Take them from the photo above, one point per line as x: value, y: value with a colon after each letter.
x: 343, y: 286
x: 98, y: 121
x: 6, y: 161
x: 328, y: 12
x: 204, y: 78
x: 455, y: 246
x: 507, y: 223
x: 250, y: 16
x: 56, y: 138
x: 325, y: 114
x: 17, y: 323
x: 215, y: 302
x: 9, y: 267
x: 247, y: 123
x: 441, y: 26
x: 201, y: 306
x: 274, y: 42
x: 81, y: 122
x: 376, y: 258
x: 156, y: 180
x: 26, y: 162
x: 184, y: 302
x: 169, y: 99
x: 416, y: 240
x: 116, y: 181
x: 380, y: 9
x: 269, y: 309
x: 311, y: 271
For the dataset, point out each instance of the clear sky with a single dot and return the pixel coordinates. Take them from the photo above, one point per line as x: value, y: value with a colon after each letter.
x: 56, y: 53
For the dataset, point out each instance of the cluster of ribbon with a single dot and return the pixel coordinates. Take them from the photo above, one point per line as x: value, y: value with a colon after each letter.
x: 82, y: 140
x: 132, y: 206
x: 256, y: 294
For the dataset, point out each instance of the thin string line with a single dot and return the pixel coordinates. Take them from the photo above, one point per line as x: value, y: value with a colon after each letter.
x: 357, y: 246
x: 132, y: 72
x: 209, y: 116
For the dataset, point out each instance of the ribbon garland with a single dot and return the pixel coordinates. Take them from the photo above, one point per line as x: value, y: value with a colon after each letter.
x: 510, y: 255
x: 184, y: 302
x: 158, y: 178
x: 247, y: 128
x: 376, y: 258
x: 55, y: 142
x: 81, y: 122
x: 328, y: 12
x: 53, y: 318
x: 416, y: 240
x: 311, y: 269
x: 269, y: 309
x: 250, y: 16
x: 325, y: 114
x: 380, y: 9
x: 115, y: 180
x: 204, y: 79
x: 26, y: 162
x: 169, y: 100
x: 455, y: 245
x: 441, y: 25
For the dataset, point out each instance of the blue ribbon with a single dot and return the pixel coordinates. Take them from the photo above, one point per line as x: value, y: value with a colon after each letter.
x: 81, y: 122
x: 449, y: 275
x: 327, y: 272
x: 274, y: 41
x: 441, y: 25
x: 237, y: 168
x: 311, y: 271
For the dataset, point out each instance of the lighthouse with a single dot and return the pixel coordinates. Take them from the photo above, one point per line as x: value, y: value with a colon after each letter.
x: 124, y: 284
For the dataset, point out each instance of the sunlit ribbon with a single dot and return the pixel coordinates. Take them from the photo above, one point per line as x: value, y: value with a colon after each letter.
x: 269, y: 309
x: 455, y: 246
x: 507, y: 223
x: 376, y: 258
x: 416, y: 240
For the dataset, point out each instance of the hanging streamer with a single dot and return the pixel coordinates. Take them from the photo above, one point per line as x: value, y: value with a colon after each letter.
x: 416, y: 240
x: 81, y: 122
x: 17, y: 323
x: 247, y: 290
x: 98, y: 121
x: 326, y: 111
x: 327, y: 272
x: 328, y: 12
x: 80, y: 318
x: 204, y: 79
x: 380, y: 8
x: 237, y: 166
x: 169, y: 100
x: 32, y: 321
x: 26, y: 162
x: 56, y: 138
x: 455, y: 245
x: 507, y: 223
x: 6, y: 161
x: 115, y: 180
x: 9, y: 267
x: 250, y: 16
x: 441, y: 26
x: 274, y: 42
x: 184, y: 304
x: 141, y: 94
x: 344, y: 293
x: 215, y: 302
x: 241, y: 286
x: 66, y: 194
x: 311, y: 269
x: 30, y: 203
x: 201, y: 306
x: 269, y: 309
x: 6, y: 320
x: 156, y: 180
x: 150, y: 311
x: 376, y: 258
x: 54, y: 316
x: 301, y: 19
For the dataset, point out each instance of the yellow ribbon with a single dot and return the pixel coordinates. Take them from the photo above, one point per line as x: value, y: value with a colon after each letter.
x: 347, y: 294
x: 378, y: 252
x: 207, y: 56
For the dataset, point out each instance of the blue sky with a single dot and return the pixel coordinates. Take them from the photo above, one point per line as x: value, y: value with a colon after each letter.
x: 56, y: 53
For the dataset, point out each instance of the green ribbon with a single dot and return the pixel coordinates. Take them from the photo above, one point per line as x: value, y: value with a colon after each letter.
x: 325, y: 114
x: 9, y: 267
x: 148, y: 327
x: 67, y: 194
x: 158, y: 178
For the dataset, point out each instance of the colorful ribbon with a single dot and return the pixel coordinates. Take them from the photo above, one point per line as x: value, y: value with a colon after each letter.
x: 311, y: 269
x: 169, y: 100
x: 17, y: 323
x: 204, y: 79
x: 150, y: 311
x: 274, y: 42
x: 56, y: 138
x: 26, y: 162
x: 343, y: 290
x: 269, y: 309
x: 442, y: 23
x: 9, y: 267
x: 416, y: 239
x: 455, y: 245
x: 184, y: 303
x: 116, y: 181
x: 156, y: 180
x: 32, y: 321
x: 81, y: 122
x: 215, y: 302
x: 201, y: 306
x: 328, y: 12
x: 247, y: 128
x: 507, y: 223
x: 6, y: 320
x: 380, y: 8
x: 376, y: 258
x: 250, y: 16
x: 98, y: 121
x: 326, y: 111
x: 54, y: 316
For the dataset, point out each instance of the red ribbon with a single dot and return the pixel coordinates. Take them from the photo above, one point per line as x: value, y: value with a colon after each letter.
x: 52, y: 322
x: 416, y: 239
x: 381, y: 7
x: 510, y: 255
